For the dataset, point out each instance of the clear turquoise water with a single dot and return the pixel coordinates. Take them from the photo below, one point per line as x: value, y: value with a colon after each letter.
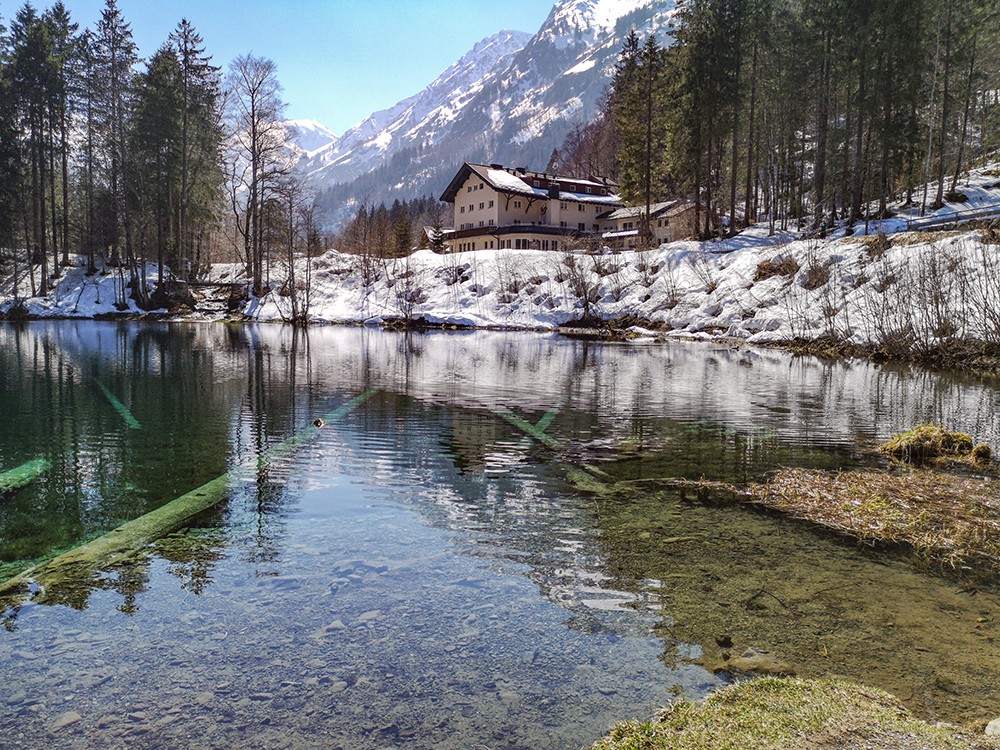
x: 422, y: 574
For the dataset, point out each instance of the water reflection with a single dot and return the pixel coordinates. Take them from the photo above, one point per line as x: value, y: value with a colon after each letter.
x: 424, y: 549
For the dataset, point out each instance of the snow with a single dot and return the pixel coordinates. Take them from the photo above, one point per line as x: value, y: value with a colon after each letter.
x: 77, y: 295
x: 927, y: 285
x: 582, y: 67
x: 504, y: 180
x: 309, y: 136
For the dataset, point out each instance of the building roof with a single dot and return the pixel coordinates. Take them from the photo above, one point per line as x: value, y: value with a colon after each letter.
x: 535, y: 185
x: 634, y: 212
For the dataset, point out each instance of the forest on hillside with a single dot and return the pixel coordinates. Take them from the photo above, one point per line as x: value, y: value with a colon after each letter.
x: 127, y: 160
x: 807, y: 110
x: 778, y: 111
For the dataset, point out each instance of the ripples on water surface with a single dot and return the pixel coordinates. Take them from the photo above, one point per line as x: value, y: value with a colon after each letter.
x: 421, y: 574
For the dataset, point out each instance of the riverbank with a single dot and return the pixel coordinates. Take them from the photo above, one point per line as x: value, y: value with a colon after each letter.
x: 806, y: 714
x: 871, y: 290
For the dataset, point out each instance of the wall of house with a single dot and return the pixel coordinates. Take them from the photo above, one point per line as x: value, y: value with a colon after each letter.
x: 513, y: 241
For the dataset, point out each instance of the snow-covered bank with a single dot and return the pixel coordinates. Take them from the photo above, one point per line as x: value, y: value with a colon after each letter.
x: 909, y: 288
x: 755, y: 288
x: 77, y: 294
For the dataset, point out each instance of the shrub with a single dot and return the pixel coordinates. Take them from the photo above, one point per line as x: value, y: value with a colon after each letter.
x: 776, y: 267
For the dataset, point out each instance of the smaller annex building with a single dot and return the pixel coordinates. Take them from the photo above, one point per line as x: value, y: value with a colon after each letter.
x: 498, y: 207
x: 669, y: 221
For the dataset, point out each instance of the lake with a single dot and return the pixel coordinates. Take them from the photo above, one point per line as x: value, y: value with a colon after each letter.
x: 423, y: 572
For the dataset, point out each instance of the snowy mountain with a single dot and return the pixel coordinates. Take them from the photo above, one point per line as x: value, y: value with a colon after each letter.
x: 306, y: 137
x: 511, y: 99
x: 417, y: 119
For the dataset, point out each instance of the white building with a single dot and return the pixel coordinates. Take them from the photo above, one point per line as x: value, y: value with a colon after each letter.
x: 498, y: 207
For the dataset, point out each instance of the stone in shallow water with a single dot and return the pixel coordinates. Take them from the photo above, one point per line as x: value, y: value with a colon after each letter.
x: 747, y: 659
x: 993, y: 728
x: 68, y: 719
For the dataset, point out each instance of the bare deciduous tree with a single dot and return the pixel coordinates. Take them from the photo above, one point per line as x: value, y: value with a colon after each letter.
x: 256, y: 158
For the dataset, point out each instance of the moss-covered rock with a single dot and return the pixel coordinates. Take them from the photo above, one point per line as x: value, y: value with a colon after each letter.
x: 928, y: 442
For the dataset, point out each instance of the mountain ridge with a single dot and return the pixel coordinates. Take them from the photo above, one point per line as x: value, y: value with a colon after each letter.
x: 511, y: 99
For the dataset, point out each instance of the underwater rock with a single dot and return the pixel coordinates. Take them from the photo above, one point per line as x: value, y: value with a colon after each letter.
x: 748, y: 660
x: 66, y: 720
x: 993, y: 728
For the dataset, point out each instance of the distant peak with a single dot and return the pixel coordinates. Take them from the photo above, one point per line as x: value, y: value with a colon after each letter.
x: 596, y: 14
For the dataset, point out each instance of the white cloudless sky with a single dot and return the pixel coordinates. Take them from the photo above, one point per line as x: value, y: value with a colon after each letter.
x: 338, y: 60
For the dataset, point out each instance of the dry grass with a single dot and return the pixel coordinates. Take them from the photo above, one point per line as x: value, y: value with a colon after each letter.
x: 776, y: 267
x: 901, y: 239
x: 950, y: 519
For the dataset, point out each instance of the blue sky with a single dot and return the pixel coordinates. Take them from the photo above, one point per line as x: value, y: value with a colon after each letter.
x: 339, y: 60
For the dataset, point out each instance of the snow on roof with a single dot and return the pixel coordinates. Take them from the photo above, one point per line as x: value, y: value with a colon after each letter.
x: 631, y: 212
x: 504, y: 180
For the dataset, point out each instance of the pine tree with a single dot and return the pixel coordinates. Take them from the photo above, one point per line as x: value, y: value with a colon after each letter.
x: 637, y: 106
x: 154, y: 156
x: 114, y: 57
x: 201, y: 138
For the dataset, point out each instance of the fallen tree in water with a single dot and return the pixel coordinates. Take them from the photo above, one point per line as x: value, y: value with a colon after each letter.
x: 23, y: 475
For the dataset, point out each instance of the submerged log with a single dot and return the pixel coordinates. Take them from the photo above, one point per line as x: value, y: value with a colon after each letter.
x: 23, y: 475
x: 50, y: 582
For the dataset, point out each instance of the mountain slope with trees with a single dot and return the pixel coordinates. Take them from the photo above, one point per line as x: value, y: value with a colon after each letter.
x: 812, y: 111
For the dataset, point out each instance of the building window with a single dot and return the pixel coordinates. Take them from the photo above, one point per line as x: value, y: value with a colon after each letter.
x: 482, y: 206
x: 588, y: 190
x: 555, y: 244
x: 597, y: 227
x: 517, y: 204
x: 564, y: 206
x: 517, y: 221
x: 491, y: 204
x: 582, y: 226
x: 659, y: 223
x: 480, y: 225
x: 563, y: 224
x: 581, y: 207
x: 491, y: 222
x: 535, y: 183
x: 463, y: 210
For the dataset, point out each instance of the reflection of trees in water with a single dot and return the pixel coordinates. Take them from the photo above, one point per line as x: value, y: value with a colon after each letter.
x: 190, y: 555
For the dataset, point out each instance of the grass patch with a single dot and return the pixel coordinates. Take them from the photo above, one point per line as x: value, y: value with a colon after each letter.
x: 770, y: 713
x: 930, y: 443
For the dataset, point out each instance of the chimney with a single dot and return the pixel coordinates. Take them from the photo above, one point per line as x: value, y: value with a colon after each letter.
x: 554, y: 190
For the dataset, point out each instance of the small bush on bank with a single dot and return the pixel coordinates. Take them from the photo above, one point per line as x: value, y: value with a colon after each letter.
x: 776, y: 267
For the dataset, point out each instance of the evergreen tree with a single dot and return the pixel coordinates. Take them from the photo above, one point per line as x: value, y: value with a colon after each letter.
x: 154, y: 156
x: 114, y: 57
x: 201, y: 139
x: 640, y: 126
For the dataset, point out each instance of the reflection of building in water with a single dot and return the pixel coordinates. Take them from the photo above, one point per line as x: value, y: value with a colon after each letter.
x: 474, y: 437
